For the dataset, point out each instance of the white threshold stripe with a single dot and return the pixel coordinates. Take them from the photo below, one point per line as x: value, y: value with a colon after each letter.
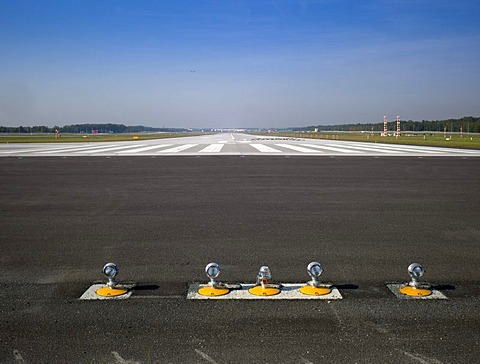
x: 298, y: 149
x: 265, y: 149
x: 333, y: 149
x: 403, y: 148
x: 109, y: 149
x: 75, y: 149
x: 374, y: 149
x: 144, y: 149
x: 212, y: 148
x: 177, y: 149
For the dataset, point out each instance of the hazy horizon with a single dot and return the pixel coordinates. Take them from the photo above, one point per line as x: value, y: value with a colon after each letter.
x: 233, y: 64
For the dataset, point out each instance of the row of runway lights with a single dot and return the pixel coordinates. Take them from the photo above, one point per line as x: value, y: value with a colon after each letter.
x: 263, y: 287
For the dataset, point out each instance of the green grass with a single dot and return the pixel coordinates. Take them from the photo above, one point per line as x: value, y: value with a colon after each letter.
x: 65, y: 138
x: 471, y: 141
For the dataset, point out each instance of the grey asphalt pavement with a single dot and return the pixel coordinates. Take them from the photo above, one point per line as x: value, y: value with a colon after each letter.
x: 163, y: 219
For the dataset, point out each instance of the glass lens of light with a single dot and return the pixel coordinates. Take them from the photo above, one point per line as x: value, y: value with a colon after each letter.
x: 212, y: 270
x: 416, y: 270
x: 110, y: 270
x: 265, y: 273
x: 315, y: 269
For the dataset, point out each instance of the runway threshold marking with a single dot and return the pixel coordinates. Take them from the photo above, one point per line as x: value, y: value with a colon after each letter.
x: 108, y: 149
x: 144, y: 149
x: 178, y: 149
x: 333, y: 149
x: 212, y: 148
x: 298, y: 149
x: 265, y: 149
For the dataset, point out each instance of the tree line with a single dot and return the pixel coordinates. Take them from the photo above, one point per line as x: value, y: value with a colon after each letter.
x: 467, y: 124
x: 87, y: 129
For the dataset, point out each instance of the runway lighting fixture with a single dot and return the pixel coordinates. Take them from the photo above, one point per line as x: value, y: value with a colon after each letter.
x: 111, y: 289
x: 414, y: 287
x: 314, y: 287
x: 262, y: 287
x: 213, y: 288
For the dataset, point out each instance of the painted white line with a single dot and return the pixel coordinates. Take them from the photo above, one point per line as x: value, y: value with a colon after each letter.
x: 205, y: 356
x: 395, y: 289
x: 298, y: 149
x: 120, y: 360
x: 73, y: 149
x: 333, y: 149
x: 289, y: 291
x: 212, y: 148
x: 420, y: 358
x: 178, y: 149
x: 17, y: 356
x: 222, y: 142
x: 305, y: 361
x: 109, y: 149
x: 375, y: 149
x: 144, y: 149
x: 265, y: 149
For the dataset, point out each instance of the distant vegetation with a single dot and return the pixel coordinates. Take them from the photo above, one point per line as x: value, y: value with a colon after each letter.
x: 88, y: 129
x: 467, y: 124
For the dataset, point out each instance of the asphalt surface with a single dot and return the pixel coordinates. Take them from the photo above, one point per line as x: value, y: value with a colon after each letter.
x: 163, y: 219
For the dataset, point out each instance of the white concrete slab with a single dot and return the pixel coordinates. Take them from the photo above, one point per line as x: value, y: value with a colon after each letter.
x: 395, y: 288
x: 90, y: 293
x: 289, y: 291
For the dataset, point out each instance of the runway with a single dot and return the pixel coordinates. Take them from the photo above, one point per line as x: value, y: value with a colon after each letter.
x: 229, y: 144
x: 365, y: 218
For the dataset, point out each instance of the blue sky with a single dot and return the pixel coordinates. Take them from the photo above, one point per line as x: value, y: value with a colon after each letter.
x: 257, y: 63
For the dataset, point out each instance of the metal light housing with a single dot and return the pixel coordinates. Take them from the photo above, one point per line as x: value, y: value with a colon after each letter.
x: 416, y: 271
x: 314, y: 270
x: 212, y: 270
x: 111, y: 270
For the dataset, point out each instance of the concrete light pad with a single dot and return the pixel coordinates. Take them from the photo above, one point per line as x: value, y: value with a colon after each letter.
x: 289, y: 291
x: 90, y: 293
x: 395, y: 288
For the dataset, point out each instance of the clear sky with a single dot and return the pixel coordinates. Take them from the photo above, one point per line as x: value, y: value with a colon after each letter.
x: 256, y: 63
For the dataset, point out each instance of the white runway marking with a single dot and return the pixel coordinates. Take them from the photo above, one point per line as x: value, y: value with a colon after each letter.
x: 120, y: 360
x: 178, y: 149
x: 109, y: 149
x: 241, y: 144
x: 18, y: 357
x: 333, y: 149
x: 374, y: 149
x: 212, y: 148
x: 298, y: 149
x: 205, y: 356
x: 144, y: 149
x: 264, y: 149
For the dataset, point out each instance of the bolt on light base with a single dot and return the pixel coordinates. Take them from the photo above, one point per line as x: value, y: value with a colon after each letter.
x: 262, y: 287
x: 111, y: 289
x: 415, y: 288
x: 314, y: 287
x: 213, y: 288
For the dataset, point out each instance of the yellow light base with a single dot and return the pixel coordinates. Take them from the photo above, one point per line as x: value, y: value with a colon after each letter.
x: 415, y: 292
x: 315, y: 291
x: 111, y: 291
x: 267, y: 291
x: 212, y: 291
